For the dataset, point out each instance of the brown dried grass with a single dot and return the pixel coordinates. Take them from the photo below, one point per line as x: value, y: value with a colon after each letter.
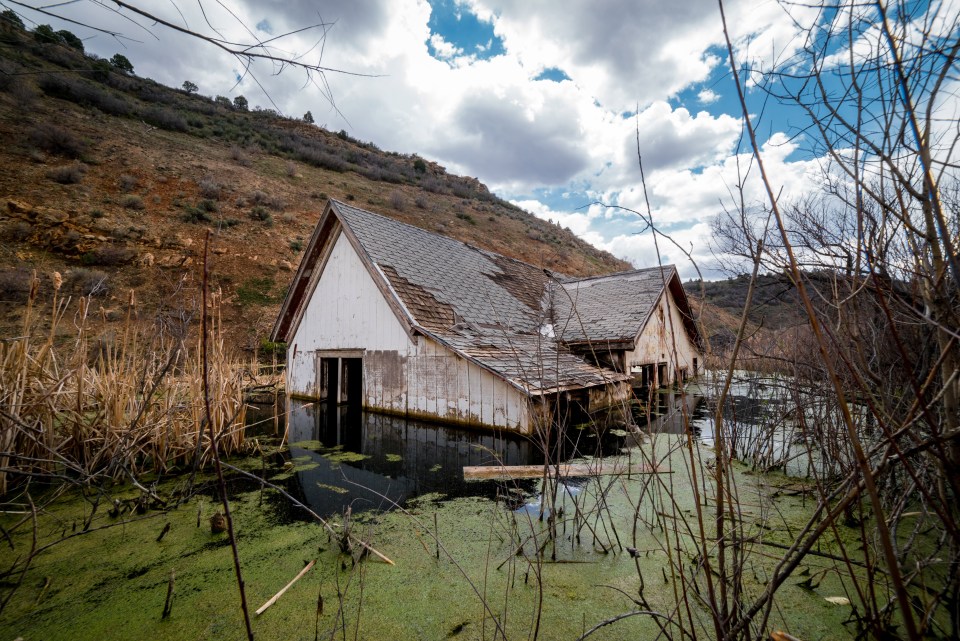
x: 98, y: 408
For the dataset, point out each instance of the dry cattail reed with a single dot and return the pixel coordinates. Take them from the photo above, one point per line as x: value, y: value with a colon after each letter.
x: 125, y: 400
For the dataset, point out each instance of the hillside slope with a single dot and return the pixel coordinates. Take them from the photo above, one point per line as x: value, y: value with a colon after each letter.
x: 114, y: 181
x: 775, y: 302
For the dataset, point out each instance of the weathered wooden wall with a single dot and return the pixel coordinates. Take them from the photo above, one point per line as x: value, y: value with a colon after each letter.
x: 610, y: 395
x: 347, y: 314
x: 656, y: 345
x: 441, y: 384
x: 345, y: 311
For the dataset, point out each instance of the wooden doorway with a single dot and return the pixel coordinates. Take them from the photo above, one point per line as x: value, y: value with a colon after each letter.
x: 340, y: 378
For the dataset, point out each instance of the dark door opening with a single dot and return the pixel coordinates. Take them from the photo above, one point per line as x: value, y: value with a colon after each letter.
x: 329, y: 378
x: 351, y: 386
x: 340, y: 382
x: 642, y: 376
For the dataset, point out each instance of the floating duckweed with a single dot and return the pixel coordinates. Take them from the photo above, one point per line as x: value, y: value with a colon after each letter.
x: 124, y: 571
x: 332, y: 488
x: 345, y: 457
x: 308, y: 445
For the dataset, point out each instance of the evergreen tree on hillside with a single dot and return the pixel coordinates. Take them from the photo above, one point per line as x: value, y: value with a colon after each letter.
x: 71, y: 40
x: 45, y: 34
x: 120, y: 63
x: 10, y: 16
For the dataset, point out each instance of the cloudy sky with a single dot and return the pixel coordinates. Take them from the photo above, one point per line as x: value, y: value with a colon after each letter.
x: 540, y: 99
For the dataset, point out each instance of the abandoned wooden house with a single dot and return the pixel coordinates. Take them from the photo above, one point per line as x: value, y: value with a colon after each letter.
x: 401, y: 320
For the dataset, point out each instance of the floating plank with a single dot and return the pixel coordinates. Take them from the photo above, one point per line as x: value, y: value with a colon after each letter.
x: 481, y: 472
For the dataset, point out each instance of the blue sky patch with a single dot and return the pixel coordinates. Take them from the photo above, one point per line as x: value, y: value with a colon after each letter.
x: 718, y: 97
x: 554, y: 74
x: 265, y: 26
x: 457, y: 25
x: 551, y: 197
x: 562, y: 199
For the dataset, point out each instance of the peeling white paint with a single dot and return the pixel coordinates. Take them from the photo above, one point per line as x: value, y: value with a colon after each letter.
x: 656, y: 344
x: 347, y: 313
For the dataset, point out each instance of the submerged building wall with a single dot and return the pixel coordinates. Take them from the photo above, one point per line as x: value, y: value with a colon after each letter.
x: 347, y: 316
x: 665, y: 330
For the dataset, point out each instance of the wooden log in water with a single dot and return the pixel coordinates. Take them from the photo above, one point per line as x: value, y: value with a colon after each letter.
x: 600, y: 468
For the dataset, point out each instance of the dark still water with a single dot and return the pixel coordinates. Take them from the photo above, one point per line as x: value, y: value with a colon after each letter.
x: 372, y: 461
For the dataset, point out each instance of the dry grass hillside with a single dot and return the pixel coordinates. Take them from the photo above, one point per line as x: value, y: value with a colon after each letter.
x: 113, y: 181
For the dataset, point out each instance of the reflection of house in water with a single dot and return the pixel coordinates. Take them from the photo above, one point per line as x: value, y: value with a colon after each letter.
x: 670, y: 411
x: 400, y: 458
x: 404, y: 321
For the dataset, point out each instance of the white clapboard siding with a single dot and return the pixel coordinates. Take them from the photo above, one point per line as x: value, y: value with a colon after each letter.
x: 347, y: 311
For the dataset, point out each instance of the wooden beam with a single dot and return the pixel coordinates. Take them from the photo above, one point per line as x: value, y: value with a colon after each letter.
x: 600, y: 468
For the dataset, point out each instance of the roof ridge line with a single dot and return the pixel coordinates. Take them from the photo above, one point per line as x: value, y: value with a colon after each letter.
x: 481, y: 250
x: 665, y: 268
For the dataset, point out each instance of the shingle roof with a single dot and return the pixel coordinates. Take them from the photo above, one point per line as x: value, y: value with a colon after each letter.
x: 484, y: 306
x: 614, y: 307
x: 489, y: 308
x: 530, y: 361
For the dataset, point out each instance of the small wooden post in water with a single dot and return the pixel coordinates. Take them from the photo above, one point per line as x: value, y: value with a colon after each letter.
x: 168, y: 606
x: 276, y: 400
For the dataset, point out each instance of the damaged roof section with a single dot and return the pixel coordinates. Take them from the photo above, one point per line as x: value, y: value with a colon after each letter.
x: 532, y: 362
x: 465, y: 278
x: 422, y: 304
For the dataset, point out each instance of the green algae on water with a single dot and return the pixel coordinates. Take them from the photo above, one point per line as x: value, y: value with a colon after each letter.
x: 112, y: 583
x: 345, y: 457
x: 332, y: 488
x: 308, y: 445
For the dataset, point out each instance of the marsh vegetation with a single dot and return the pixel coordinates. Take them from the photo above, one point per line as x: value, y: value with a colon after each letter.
x: 816, y: 497
x: 600, y: 556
